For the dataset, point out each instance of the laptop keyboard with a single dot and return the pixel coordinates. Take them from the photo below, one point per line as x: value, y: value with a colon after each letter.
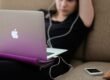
x: 49, y: 53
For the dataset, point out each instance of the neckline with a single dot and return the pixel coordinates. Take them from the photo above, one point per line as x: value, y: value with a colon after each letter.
x: 69, y: 17
x: 59, y: 21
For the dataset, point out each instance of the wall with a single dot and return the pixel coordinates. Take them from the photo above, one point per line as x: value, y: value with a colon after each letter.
x: 24, y: 4
x: 0, y: 3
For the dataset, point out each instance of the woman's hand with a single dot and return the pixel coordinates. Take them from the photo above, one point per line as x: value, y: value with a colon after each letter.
x: 86, y: 12
x: 107, y: 75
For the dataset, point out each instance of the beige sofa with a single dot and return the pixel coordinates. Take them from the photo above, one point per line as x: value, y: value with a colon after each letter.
x: 94, y: 52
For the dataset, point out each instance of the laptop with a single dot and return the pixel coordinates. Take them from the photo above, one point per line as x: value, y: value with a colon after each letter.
x: 22, y: 36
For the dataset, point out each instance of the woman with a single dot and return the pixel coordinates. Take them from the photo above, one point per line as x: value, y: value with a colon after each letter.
x: 74, y: 14
x: 71, y: 22
x: 67, y: 26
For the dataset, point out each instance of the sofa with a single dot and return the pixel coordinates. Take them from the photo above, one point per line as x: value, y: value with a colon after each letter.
x: 94, y: 52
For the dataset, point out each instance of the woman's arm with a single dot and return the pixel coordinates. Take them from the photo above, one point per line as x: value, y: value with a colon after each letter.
x: 86, y: 12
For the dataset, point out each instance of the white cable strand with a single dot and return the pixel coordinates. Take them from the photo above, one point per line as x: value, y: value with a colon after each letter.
x: 66, y: 62
x: 49, y: 39
x: 48, y: 31
x: 50, y: 25
x: 50, y: 70
x: 59, y: 60
x: 71, y: 27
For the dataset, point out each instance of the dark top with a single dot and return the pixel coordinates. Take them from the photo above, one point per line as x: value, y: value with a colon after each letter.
x: 73, y: 40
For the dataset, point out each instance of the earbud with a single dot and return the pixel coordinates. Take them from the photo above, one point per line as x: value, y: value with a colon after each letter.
x: 47, y: 15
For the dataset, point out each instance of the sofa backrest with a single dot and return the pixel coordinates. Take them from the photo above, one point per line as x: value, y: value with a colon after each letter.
x: 98, y: 45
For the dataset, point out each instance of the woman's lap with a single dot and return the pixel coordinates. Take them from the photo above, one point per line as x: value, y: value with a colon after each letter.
x: 15, y: 70
x: 11, y: 69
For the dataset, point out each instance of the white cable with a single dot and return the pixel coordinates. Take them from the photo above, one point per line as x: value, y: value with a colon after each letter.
x: 50, y: 25
x: 52, y: 4
x: 50, y: 22
x: 49, y: 39
x: 50, y: 70
x: 66, y: 62
x: 59, y: 60
x: 48, y: 31
x: 71, y: 27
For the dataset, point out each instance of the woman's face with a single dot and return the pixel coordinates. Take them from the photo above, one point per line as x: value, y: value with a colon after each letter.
x: 66, y: 7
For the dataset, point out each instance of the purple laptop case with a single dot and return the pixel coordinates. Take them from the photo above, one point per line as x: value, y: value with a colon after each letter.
x: 30, y: 47
x: 24, y: 53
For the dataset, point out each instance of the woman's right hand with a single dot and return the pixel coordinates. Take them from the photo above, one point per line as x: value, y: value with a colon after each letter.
x: 107, y: 75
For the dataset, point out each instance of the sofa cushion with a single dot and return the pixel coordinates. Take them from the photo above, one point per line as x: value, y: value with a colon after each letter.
x: 76, y: 63
x: 79, y: 74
